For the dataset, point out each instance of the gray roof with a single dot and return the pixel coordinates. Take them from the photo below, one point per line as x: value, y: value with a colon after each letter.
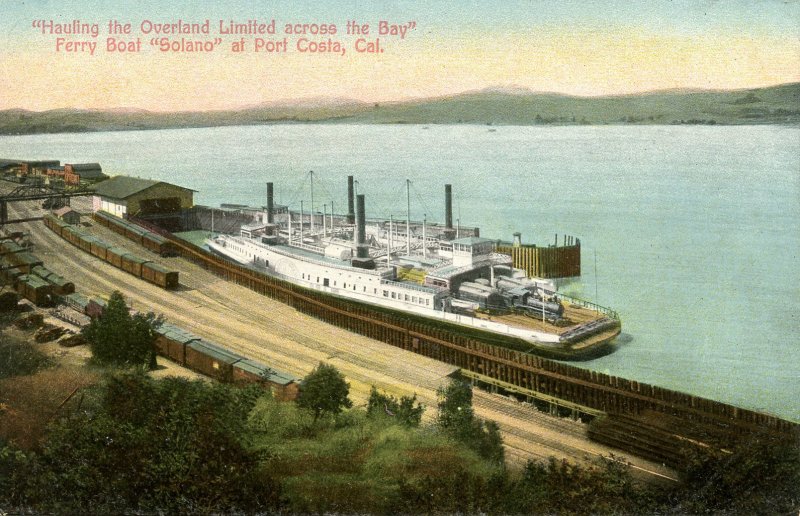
x: 85, y: 166
x: 472, y: 240
x: 78, y: 299
x: 212, y: 350
x: 11, y: 162
x: 63, y: 211
x: 177, y: 334
x: 122, y: 187
x: 259, y: 369
x: 88, y: 170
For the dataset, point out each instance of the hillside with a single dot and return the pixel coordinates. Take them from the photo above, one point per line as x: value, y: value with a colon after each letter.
x: 772, y: 105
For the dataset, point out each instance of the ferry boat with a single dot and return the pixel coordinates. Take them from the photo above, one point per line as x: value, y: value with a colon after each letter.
x: 427, y: 270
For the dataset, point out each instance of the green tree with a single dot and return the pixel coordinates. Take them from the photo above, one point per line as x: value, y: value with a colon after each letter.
x: 119, y: 338
x: 324, y: 390
x: 455, y: 409
x: 405, y: 411
x: 457, y: 419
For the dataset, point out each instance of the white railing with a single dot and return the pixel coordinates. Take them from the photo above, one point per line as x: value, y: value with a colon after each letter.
x: 411, y: 286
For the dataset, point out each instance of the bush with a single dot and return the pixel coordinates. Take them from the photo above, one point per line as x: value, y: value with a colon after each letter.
x: 152, y: 446
x: 20, y: 359
x: 402, y: 411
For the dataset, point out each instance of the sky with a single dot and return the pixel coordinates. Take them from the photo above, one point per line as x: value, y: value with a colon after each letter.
x: 585, y: 48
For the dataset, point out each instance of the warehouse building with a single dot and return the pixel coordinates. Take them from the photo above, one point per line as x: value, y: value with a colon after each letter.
x: 83, y: 172
x: 131, y: 196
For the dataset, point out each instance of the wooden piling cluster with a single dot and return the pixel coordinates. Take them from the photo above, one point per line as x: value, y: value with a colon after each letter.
x: 537, y: 375
x: 545, y: 262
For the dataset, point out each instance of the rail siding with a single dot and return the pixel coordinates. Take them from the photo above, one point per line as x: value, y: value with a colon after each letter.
x: 592, y: 389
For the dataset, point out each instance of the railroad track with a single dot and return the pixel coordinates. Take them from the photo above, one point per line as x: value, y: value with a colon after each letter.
x: 275, y: 333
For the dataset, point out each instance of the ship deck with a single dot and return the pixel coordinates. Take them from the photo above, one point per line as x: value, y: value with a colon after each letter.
x: 574, y: 315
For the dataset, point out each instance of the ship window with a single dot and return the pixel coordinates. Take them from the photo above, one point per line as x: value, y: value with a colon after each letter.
x: 317, y: 279
x: 385, y: 293
x: 374, y: 290
x: 354, y: 287
x: 427, y: 301
x: 406, y: 297
x: 325, y: 282
x: 344, y: 285
x: 365, y: 289
x: 414, y: 299
x: 393, y: 295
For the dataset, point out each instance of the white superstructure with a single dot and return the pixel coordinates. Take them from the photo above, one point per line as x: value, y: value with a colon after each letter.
x: 326, y: 268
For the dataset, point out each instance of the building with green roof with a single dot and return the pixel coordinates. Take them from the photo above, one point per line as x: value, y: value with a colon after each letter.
x: 133, y: 196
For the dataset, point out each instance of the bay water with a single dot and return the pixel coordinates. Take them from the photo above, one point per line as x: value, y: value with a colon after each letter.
x: 693, y: 230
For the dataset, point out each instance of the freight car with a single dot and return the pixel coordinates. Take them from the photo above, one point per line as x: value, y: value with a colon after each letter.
x: 26, y: 274
x: 36, y: 290
x: 222, y: 364
x: 61, y: 286
x: 18, y: 256
x: 158, y: 275
x: 142, y: 236
x: 119, y: 257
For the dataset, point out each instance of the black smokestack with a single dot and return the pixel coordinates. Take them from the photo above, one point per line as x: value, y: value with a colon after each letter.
x: 270, y: 207
x: 362, y: 251
x: 351, y: 216
x: 448, y: 206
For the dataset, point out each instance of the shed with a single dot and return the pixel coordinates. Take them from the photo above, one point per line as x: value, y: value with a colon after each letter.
x: 68, y: 215
x: 124, y: 195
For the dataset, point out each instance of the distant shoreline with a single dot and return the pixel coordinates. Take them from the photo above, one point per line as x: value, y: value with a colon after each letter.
x: 67, y: 130
x: 775, y: 105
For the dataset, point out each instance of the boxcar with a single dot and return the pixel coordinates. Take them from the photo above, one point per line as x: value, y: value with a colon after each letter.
x: 77, y: 302
x: 24, y: 261
x: 36, y: 290
x: 282, y: 386
x: 134, y: 234
x: 86, y: 243
x: 99, y: 249
x: 158, y: 275
x: 132, y: 264
x: 95, y: 307
x: 211, y: 360
x: 171, y: 342
x: 61, y: 286
x: 114, y: 256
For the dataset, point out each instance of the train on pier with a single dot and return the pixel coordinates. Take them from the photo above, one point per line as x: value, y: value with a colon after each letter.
x: 430, y: 271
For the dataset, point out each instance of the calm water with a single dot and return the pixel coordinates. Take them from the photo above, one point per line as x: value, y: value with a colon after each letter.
x: 695, y: 229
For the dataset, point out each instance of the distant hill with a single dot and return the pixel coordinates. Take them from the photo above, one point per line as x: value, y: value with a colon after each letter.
x: 495, y: 106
